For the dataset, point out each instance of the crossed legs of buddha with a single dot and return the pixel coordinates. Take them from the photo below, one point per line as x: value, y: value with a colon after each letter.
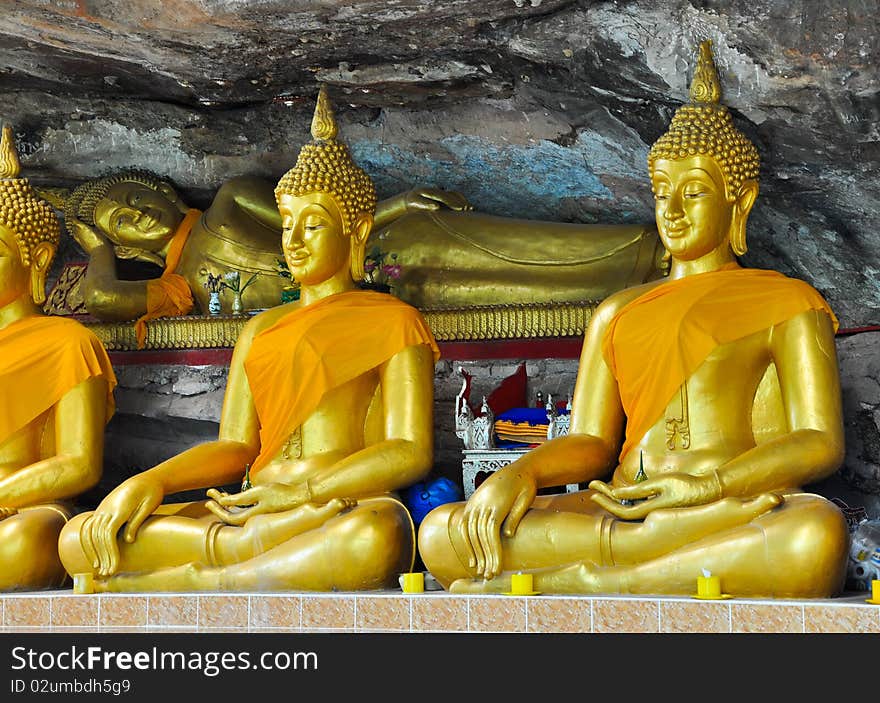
x: 341, y: 545
x: 766, y: 546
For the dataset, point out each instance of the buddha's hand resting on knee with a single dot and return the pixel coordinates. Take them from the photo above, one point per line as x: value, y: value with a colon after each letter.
x: 237, y: 508
x: 674, y: 490
x: 495, y: 508
x: 129, y: 504
x: 7, y: 512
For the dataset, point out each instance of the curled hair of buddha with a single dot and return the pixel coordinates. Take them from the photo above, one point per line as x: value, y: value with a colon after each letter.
x: 704, y: 127
x: 30, y: 218
x: 324, y: 165
x: 81, y: 203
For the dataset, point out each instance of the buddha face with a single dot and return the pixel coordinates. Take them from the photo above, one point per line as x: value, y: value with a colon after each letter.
x: 315, y: 242
x: 693, y: 210
x: 14, y: 275
x: 135, y: 215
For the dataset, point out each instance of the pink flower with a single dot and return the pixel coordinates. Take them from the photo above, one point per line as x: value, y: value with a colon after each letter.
x: 392, y: 271
x: 369, y: 265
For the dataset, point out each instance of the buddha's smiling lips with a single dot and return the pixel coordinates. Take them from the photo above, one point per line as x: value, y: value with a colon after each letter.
x: 147, y: 223
x: 676, y: 232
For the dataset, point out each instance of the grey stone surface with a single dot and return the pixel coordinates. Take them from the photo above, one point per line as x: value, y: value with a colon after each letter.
x: 859, y: 358
x: 543, y: 110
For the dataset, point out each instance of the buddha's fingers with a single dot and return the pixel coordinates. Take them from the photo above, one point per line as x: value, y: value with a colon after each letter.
x: 216, y: 494
x: 338, y: 505
x: 474, y: 538
x: 603, y: 488
x: 520, y: 506
x: 461, y: 527
x: 490, y: 542
x: 87, y: 543
x: 229, y: 517
x: 624, y: 512
x: 227, y: 500
x: 143, y: 511
x: 104, y: 540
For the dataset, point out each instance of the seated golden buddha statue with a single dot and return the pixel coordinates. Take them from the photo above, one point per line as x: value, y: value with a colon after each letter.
x: 726, y: 382
x: 329, y: 404
x: 55, y: 392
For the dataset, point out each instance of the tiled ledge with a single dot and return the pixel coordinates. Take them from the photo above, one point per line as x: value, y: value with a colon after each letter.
x: 437, y: 611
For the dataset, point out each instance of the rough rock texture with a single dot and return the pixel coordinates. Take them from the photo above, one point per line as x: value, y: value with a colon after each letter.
x: 532, y: 108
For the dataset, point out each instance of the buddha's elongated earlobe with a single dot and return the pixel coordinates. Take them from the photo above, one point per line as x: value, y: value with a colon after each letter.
x: 745, y: 199
x: 359, y: 234
x: 41, y: 258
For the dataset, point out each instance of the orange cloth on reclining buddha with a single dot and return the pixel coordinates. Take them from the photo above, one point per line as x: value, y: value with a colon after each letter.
x: 41, y: 359
x: 313, y: 349
x: 658, y: 340
x: 170, y: 294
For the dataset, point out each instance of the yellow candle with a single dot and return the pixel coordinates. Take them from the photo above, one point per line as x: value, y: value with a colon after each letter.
x: 521, y: 584
x: 708, y: 586
x: 84, y: 583
x: 413, y: 582
x: 875, y: 591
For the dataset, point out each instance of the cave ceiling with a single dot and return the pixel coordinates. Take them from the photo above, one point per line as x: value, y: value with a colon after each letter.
x: 539, y: 109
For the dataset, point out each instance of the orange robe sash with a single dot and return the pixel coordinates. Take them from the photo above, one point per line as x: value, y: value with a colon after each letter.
x: 41, y: 359
x: 313, y: 349
x: 170, y: 294
x: 656, y: 342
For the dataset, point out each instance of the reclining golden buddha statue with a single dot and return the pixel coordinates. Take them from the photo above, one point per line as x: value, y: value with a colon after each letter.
x: 726, y: 382
x: 56, y: 387
x: 136, y: 215
x: 327, y: 412
x: 442, y: 253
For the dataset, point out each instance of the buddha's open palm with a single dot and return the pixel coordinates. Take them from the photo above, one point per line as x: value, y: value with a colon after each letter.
x: 674, y: 490
x: 128, y: 505
x: 495, y: 508
x: 237, y: 508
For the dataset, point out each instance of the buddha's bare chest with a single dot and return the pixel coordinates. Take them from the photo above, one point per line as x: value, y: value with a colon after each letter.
x: 709, y: 415
x: 334, y: 430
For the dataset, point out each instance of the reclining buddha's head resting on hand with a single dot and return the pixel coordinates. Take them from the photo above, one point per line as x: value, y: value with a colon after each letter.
x: 30, y: 221
x: 325, y: 188
x: 705, y: 153
x: 135, y: 209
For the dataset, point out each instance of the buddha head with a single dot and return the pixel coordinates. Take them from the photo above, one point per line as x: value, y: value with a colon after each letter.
x: 136, y: 210
x: 327, y: 204
x: 29, y: 231
x: 704, y: 173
